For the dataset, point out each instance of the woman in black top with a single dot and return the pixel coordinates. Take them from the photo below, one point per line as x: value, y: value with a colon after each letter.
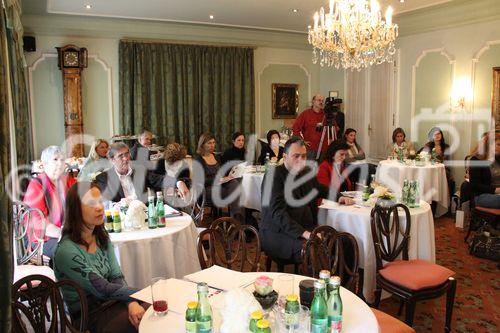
x: 237, y: 150
x: 272, y: 148
x: 437, y: 143
x: 215, y: 180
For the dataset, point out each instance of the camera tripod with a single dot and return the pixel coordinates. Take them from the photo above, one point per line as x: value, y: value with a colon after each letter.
x: 330, y: 132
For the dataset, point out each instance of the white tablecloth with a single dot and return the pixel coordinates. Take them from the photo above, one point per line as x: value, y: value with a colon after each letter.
x: 432, y: 179
x: 251, y: 190
x: 356, y: 221
x: 357, y: 316
x: 169, y: 252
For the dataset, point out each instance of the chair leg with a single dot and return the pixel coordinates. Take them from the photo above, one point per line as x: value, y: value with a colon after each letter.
x: 269, y: 262
x: 410, y: 312
x: 378, y: 294
x: 401, y: 305
x: 281, y: 267
x: 469, y: 229
x: 450, y: 300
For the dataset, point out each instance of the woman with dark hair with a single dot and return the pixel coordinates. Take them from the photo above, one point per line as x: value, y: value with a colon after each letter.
x: 437, y: 143
x: 399, y: 143
x: 332, y: 171
x: 237, y: 151
x: 86, y: 256
x: 211, y: 163
x: 354, y: 152
x: 272, y: 148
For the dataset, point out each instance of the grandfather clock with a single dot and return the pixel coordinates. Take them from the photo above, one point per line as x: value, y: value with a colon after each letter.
x: 72, y: 60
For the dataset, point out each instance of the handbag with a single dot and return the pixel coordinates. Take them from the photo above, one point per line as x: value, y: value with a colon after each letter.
x: 486, y: 244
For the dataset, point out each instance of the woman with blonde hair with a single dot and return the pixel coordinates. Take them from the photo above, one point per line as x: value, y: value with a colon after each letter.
x: 96, y: 162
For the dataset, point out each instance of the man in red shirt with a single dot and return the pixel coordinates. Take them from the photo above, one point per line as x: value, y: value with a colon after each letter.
x: 309, y: 125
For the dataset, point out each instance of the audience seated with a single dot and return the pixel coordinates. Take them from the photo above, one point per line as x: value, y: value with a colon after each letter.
x: 86, y: 256
x: 437, y: 143
x: 332, y: 171
x: 214, y: 181
x: 122, y: 181
x: 237, y: 151
x: 173, y: 163
x: 399, y: 143
x: 484, y: 172
x: 97, y: 161
x: 354, y: 152
x: 286, y: 224
x: 272, y: 148
x: 140, y: 150
x: 47, y: 192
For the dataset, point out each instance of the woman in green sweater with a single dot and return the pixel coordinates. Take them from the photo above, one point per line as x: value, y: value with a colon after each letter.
x: 85, y: 255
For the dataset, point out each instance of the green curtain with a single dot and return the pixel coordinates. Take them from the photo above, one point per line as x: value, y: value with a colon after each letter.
x: 181, y: 91
x: 5, y: 205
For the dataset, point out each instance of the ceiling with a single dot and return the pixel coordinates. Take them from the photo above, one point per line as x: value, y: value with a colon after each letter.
x: 256, y: 14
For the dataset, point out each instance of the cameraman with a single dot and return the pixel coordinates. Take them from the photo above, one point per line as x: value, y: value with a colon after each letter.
x: 309, y: 125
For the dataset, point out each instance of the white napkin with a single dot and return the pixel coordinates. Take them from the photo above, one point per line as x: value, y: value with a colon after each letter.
x: 220, y: 278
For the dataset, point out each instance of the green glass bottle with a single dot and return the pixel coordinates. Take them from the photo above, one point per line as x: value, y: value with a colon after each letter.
x: 292, y: 311
x: 108, y: 224
x: 191, y: 317
x: 334, y: 305
x: 152, y: 219
x: 404, y: 192
x: 160, y: 209
x: 325, y: 276
x: 203, y: 310
x: 254, y: 318
x: 263, y: 326
x: 319, y: 311
x: 117, y: 222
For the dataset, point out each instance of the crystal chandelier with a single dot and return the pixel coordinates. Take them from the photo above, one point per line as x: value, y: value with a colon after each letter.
x: 353, y: 35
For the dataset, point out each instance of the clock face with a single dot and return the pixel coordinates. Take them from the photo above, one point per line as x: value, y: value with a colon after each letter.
x: 71, y: 59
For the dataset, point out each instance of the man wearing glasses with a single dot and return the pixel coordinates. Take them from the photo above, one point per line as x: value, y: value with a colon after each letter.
x: 122, y: 181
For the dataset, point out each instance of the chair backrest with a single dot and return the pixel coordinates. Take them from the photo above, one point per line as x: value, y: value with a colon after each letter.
x: 36, y: 301
x: 226, y: 245
x: 337, y: 252
x: 390, y: 235
x: 28, y: 240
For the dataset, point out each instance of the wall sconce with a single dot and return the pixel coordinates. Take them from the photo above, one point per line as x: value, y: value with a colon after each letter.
x: 461, y: 93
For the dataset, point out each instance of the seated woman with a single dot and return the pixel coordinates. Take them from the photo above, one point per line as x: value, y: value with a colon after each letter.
x: 215, y: 180
x: 484, y: 173
x: 97, y: 160
x: 47, y: 192
x: 437, y: 143
x: 173, y: 162
x: 237, y: 151
x: 86, y: 256
x: 272, y: 148
x: 332, y: 171
x: 354, y: 152
x: 399, y: 143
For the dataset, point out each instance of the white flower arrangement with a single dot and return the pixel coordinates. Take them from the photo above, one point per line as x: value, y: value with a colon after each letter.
x: 136, y: 213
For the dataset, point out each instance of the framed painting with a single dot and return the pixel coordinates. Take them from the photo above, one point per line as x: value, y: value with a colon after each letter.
x: 285, y: 100
x: 495, y: 98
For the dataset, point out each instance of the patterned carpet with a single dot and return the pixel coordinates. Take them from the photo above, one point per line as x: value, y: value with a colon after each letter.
x: 478, y: 288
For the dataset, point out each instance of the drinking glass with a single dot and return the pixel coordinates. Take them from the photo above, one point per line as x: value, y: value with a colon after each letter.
x: 285, y: 287
x: 158, y: 295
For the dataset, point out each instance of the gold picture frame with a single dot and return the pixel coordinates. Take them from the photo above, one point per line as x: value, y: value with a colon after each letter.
x: 285, y: 100
x: 495, y: 98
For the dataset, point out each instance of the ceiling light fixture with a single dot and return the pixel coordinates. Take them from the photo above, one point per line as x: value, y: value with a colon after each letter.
x: 88, y: 6
x: 211, y: 17
x: 402, y: 1
x: 353, y: 35
x: 295, y: 10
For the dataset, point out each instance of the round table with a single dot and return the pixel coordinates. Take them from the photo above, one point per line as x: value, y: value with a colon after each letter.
x: 251, y: 183
x: 169, y: 252
x: 356, y: 221
x: 432, y: 181
x: 357, y: 316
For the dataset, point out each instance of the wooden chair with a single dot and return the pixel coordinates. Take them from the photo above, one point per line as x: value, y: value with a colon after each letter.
x: 27, y: 250
x: 336, y: 252
x: 225, y: 244
x: 482, y: 216
x: 37, y: 302
x: 409, y: 280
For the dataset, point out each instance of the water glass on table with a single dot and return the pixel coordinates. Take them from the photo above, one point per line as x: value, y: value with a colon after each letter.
x: 284, y: 288
x: 158, y: 295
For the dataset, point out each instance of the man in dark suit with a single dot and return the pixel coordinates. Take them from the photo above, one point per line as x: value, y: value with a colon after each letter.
x: 290, y: 204
x: 140, y: 150
x: 124, y: 181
